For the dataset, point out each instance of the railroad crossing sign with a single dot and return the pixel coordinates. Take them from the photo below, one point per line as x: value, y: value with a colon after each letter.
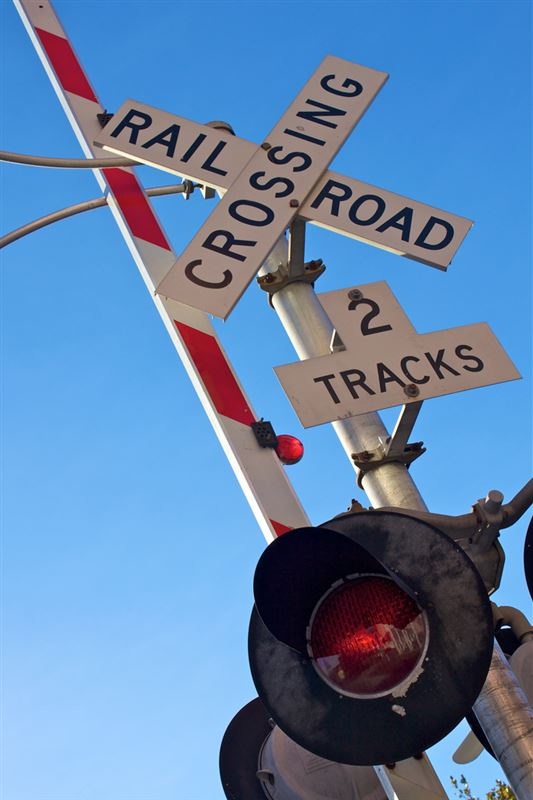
x: 341, y: 204
x: 228, y: 250
x: 268, y: 186
x: 378, y: 360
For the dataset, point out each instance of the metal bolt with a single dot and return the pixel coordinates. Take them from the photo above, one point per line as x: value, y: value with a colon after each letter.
x: 312, y: 265
x: 266, y: 146
x: 414, y: 447
x: 294, y: 203
x: 363, y: 456
x: 266, y: 776
x: 355, y: 294
x: 220, y: 125
x: 493, y: 501
x: 411, y: 390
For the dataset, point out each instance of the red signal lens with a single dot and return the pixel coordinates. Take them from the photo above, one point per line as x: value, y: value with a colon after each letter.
x: 367, y: 636
x: 289, y: 449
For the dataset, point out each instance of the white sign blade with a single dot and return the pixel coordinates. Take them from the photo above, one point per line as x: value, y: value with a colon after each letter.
x: 386, y: 363
x: 386, y: 220
x: 230, y: 247
x: 344, y: 205
x: 174, y: 144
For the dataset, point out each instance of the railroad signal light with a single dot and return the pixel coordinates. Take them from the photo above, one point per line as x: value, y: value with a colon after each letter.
x: 239, y: 752
x: 371, y: 636
x: 258, y: 761
x: 289, y: 449
x: 366, y: 636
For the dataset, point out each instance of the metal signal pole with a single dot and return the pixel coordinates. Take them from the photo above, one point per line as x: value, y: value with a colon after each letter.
x: 502, y: 708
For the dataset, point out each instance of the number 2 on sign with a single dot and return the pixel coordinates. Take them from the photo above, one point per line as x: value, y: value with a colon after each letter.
x: 375, y: 310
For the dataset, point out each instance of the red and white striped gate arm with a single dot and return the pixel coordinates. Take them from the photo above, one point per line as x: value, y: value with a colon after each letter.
x: 258, y: 470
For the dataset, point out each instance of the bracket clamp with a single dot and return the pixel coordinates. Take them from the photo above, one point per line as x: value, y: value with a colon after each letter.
x: 372, y: 459
x: 104, y: 117
x: 272, y: 282
x: 489, y: 515
x: 264, y: 433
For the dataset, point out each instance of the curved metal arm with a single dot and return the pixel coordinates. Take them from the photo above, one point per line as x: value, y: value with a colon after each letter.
x: 518, y: 505
x: 516, y: 619
x: 89, y: 163
x: 78, y: 208
x: 66, y: 163
x: 487, y: 516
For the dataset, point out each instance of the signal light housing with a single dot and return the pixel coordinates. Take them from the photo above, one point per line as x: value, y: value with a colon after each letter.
x: 415, y: 702
x: 258, y: 761
x: 528, y: 558
x: 239, y: 752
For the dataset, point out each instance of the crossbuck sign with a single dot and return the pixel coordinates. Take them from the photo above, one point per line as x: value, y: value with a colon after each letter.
x: 267, y: 186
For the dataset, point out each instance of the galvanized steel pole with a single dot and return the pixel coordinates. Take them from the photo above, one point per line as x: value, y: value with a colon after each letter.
x: 504, y: 714
x: 310, y: 332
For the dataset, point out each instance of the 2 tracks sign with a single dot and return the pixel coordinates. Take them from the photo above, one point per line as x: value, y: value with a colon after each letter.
x: 379, y: 360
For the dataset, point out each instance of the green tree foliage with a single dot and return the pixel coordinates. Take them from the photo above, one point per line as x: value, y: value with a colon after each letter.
x: 500, y: 792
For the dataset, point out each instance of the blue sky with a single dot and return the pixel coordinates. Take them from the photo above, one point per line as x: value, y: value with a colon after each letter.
x: 128, y: 548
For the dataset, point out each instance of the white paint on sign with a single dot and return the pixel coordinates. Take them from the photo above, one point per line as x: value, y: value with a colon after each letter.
x: 230, y: 247
x: 176, y: 145
x: 386, y: 220
x: 385, y: 360
x: 340, y: 204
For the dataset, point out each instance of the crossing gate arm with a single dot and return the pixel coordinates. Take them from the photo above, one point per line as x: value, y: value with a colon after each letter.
x: 260, y: 473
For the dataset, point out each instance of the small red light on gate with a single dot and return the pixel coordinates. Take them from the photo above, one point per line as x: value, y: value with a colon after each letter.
x: 367, y: 636
x: 289, y: 449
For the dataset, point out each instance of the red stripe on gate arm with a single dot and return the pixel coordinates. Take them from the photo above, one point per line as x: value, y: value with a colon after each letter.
x: 214, y: 371
x: 280, y: 528
x: 135, y: 208
x: 66, y: 65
